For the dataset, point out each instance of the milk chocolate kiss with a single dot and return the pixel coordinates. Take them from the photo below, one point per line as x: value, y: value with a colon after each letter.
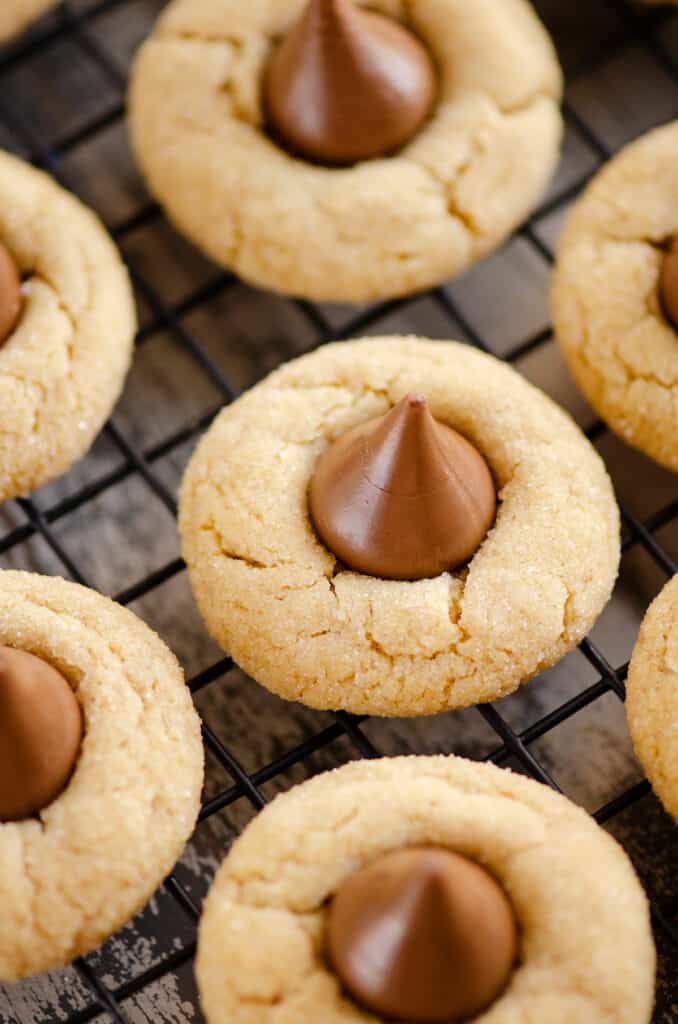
x: 348, y: 85
x: 668, y: 283
x: 40, y: 734
x: 402, y: 496
x: 10, y: 293
x: 423, y: 935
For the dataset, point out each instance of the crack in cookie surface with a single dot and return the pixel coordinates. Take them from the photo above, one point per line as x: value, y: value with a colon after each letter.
x: 263, y: 579
x: 380, y: 228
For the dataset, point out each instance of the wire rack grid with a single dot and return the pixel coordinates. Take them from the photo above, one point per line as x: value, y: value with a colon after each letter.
x: 79, y: 35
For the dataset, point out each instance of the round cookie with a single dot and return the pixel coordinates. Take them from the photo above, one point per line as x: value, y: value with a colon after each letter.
x: 383, y: 227
x: 310, y: 630
x: 94, y: 856
x: 15, y: 15
x: 586, y: 950
x: 652, y: 696
x: 608, y: 317
x: 63, y: 367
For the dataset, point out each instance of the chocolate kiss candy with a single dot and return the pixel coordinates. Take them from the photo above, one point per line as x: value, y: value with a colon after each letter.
x: 40, y: 734
x: 403, y: 496
x: 668, y: 283
x: 10, y: 293
x: 347, y: 85
x: 423, y: 935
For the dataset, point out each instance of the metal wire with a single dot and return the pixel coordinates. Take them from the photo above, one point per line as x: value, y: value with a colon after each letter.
x: 77, y: 26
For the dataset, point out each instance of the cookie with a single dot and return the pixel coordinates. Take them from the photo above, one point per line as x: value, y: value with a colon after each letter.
x: 585, y: 943
x: 16, y: 15
x: 610, y: 321
x: 652, y: 696
x: 63, y: 366
x: 95, y: 855
x: 382, y: 227
x: 309, y: 629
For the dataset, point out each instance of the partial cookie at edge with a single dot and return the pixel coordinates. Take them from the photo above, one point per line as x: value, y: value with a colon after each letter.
x: 16, y: 15
x: 63, y: 367
x: 616, y: 340
x: 652, y: 696
x: 93, y: 857
x: 586, y: 945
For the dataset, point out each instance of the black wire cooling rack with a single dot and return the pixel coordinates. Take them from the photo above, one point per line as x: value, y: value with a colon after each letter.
x: 48, y: 141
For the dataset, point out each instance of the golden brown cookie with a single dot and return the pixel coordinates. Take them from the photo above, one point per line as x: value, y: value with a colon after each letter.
x: 608, y: 315
x: 307, y: 628
x: 16, y: 15
x: 90, y: 860
x: 586, y: 950
x: 379, y: 228
x: 652, y: 696
x: 63, y: 366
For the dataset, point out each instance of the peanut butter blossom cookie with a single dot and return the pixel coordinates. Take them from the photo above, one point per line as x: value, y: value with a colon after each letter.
x: 66, y: 332
x: 100, y: 769
x: 615, y: 295
x: 652, y: 696
x: 397, y: 526
x: 16, y: 15
x: 322, y: 149
x: 425, y: 891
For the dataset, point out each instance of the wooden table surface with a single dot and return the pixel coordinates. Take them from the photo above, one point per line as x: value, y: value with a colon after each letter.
x: 58, y: 102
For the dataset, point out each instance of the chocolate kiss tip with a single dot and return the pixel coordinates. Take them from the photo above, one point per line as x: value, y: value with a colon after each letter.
x: 402, y: 496
x: 450, y: 945
x: 347, y: 85
x: 40, y: 734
